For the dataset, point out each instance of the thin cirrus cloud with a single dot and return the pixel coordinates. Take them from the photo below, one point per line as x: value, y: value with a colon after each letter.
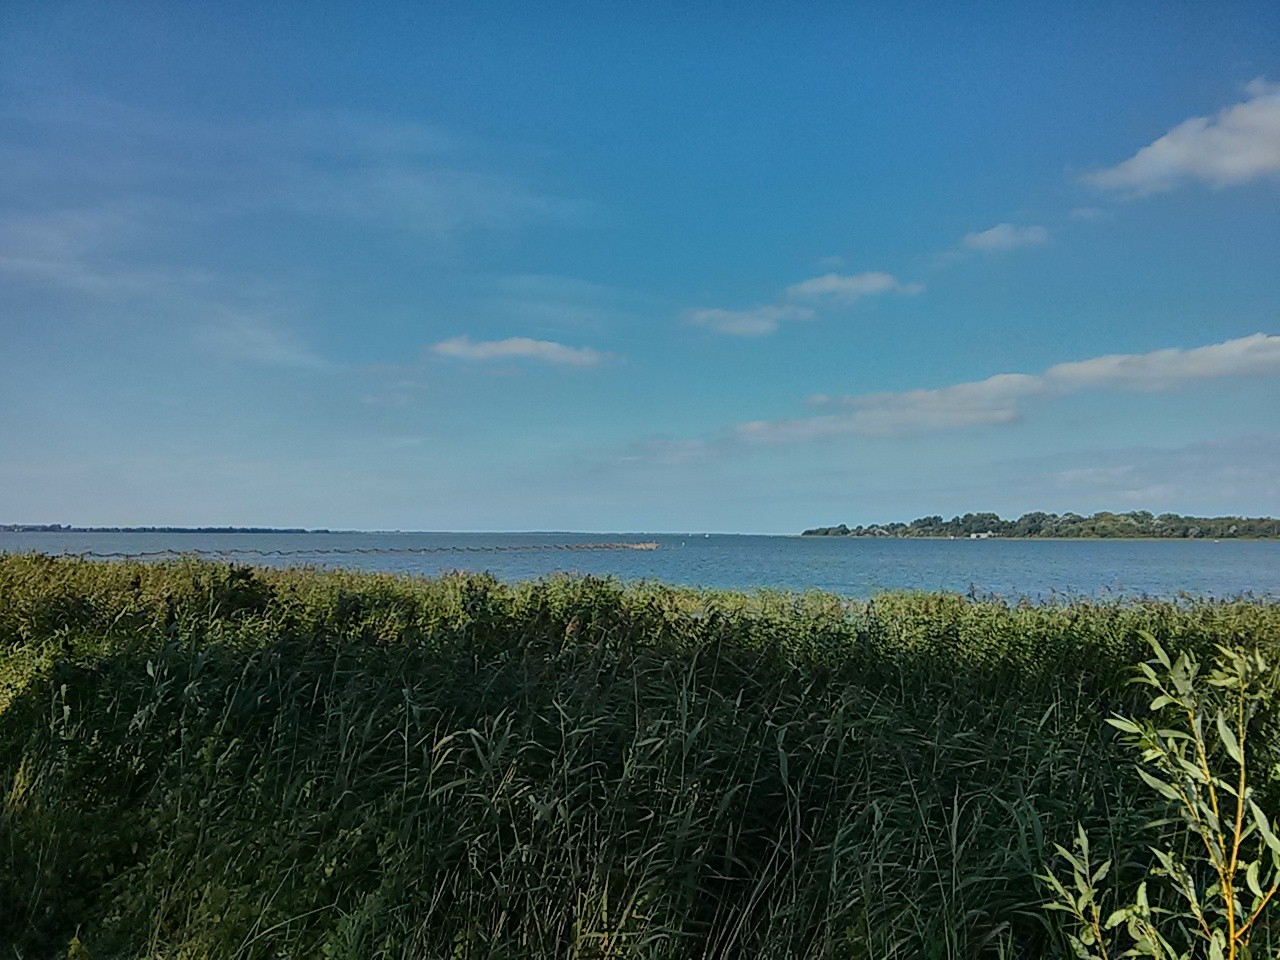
x: 838, y: 288
x: 392, y: 173
x: 80, y: 251
x: 1005, y: 236
x: 435, y: 202
x: 518, y: 348
x: 999, y: 399
x: 828, y: 290
x: 1238, y: 144
x: 261, y: 342
x: 755, y: 322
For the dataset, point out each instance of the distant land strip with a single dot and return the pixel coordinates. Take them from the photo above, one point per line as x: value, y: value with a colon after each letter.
x: 1136, y: 525
x: 66, y: 528
x: 349, y: 551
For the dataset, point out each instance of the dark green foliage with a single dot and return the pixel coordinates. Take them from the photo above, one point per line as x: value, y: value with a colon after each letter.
x: 199, y: 760
x: 1103, y: 526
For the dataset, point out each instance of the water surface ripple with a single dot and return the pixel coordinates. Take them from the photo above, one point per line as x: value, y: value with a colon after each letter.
x: 856, y: 567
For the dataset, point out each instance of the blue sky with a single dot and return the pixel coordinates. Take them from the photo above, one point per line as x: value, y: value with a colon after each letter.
x: 642, y: 267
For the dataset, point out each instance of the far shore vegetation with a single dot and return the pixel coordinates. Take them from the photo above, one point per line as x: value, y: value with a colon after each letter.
x: 67, y: 528
x: 1136, y: 525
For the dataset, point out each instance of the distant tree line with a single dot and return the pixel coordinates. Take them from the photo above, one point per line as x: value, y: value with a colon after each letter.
x: 1104, y: 525
x: 64, y: 528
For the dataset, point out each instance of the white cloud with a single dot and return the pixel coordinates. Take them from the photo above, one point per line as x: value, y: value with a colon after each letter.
x: 1163, y: 370
x: 830, y: 288
x: 993, y: 400
x: 840, y: 288
x: 1238, y: 144
x: 518, y: 348
x: 998, y: 399
x: 1089, y: 213
x: 1005, y: 236
x: 756, y: 322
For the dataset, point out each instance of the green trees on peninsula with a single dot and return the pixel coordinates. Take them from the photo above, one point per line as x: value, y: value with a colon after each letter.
x: 1138, y: 524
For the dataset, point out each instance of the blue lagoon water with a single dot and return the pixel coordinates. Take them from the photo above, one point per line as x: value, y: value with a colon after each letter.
x: 855, y: 567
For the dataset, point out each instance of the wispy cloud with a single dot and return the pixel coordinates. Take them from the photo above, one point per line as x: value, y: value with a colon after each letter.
x: 440, y: 203
x: 666, y: 452
x: 144, y: 187
x: 1090, y: 477
x: 755, y: 322
x: 262, y: 342
x: 348, y: 133
x: 828, y: 290
x: 1217, y: 475
x: 1238, y: 144
x: 545, y: 303
x: 897, y: 414
x: 999, y: 399
x: 518, y: 348
x: 849, y: 288
x: 394, y: 173
x: 1169, y: 369
x: 1004, y: 236
x: 85, y: 251
x: 400, y: 174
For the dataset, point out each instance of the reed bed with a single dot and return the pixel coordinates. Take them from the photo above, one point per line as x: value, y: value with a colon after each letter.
x: 200, y: 760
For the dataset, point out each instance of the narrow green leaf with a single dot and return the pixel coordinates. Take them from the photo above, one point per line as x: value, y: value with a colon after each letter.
x: 1157, y: 785
x: 1229, y: 741
x: 1264, y: 827
x: 1251, y: 877
x: 1124, y: 726
x: 1156, y: 648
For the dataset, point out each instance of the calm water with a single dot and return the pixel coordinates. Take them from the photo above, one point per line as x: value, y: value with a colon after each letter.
x: 853, y: 567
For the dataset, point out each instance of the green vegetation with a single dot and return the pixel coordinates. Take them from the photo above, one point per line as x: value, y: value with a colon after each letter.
x: 1197, y: 755
x: 1105, y: 526
x: 201, y: 760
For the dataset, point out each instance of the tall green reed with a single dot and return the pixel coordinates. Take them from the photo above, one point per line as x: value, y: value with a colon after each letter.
x: 204, y: 760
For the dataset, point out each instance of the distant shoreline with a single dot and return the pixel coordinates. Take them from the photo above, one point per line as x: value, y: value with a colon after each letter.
x: 920, y: 536
x: 61, y: 528
x: 1104, y: 525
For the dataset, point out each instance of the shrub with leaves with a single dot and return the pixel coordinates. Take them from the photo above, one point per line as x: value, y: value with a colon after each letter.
x: 1195, y: 753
